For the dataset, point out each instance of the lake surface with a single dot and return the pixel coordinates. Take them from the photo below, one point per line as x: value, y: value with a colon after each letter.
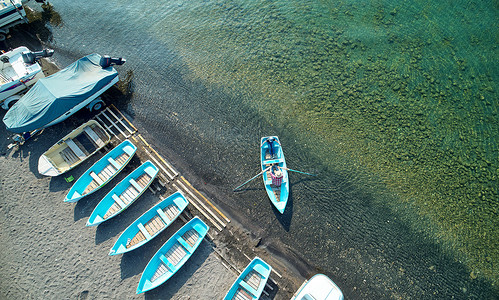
x: 393, y: 104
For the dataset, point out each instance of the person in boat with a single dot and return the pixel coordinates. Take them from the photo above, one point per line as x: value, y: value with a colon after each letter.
x: 271, y: 141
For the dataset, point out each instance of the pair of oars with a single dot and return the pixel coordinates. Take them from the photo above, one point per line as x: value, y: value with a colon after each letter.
x: 267, y: 170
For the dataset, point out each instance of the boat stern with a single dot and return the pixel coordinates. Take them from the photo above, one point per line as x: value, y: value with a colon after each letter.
x: 46, y: 168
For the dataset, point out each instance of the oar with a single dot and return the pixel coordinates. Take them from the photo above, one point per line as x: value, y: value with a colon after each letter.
x: 252, y: 178
x: 300, y: 172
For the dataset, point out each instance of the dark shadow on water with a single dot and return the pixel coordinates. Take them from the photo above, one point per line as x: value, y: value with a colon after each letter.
x: 286, y: 217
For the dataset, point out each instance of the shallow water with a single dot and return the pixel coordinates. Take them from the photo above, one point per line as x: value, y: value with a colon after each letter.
x: 392, y: 103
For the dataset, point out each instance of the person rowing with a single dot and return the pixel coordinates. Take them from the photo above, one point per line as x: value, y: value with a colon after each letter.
x: 271, y: 141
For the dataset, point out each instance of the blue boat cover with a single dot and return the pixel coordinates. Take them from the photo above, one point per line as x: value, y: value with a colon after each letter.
x: 53, y: 96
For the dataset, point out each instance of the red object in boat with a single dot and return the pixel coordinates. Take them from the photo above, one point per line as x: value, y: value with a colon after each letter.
x: 276, y: 178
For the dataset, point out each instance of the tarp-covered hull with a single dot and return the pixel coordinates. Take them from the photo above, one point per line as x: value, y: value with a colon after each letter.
x: 54, y: 96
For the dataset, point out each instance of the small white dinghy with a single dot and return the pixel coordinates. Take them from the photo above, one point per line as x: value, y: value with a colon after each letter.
x: 73, y: 149
x: 319, y: 287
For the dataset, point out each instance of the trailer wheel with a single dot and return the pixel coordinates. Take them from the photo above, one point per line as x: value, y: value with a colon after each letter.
x: 97, y: 106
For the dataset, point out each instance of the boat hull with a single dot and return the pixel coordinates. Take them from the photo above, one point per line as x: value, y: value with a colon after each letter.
x: 124, y: 194
x: 172, y: 255
x: 150, y: 224
x: 319, y: 287
x: 102, y: 171
x: 278, y: 195
x: 73, y: 149
x: 251, y: 282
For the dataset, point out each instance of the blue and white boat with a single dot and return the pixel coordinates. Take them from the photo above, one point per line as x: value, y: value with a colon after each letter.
x: 150, y: 224
x: 319, y: 287
x: 55, y: 98
x: 172, y: 255
x: 251, y: 282
x: 275, y: 174
x: 19, y: 70
x: 102, y: 171
x: 124, y: 194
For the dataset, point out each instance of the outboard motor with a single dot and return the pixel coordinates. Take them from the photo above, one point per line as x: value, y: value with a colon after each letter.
x: 32, y: 57
x: 107, y: 61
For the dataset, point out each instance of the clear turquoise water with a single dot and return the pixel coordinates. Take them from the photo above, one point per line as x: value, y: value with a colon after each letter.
x: 393, y: 103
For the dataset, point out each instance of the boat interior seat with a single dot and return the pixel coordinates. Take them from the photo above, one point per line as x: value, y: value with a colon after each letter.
x: 272, y: 161
x: 184, y: 244
x: 94, y: 137
x: 69, y: 156
x: 247, y: 287
x: 116, y: 165
x: 96, y: 178
x: 167, y: 262
x: 76, y: 150
x: 86, y: 143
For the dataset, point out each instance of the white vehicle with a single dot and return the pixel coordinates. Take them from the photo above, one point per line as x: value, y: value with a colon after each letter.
x: 319, y: 287
x: 18, y: 71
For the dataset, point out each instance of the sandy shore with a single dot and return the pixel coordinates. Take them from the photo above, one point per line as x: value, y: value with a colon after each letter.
x: 47, y: 252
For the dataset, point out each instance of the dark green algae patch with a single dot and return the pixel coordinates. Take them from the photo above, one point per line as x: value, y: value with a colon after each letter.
x: 414, y: 106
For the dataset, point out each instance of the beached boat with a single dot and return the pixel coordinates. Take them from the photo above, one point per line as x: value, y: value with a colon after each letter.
x: 57, y: 97
x: 172, y: 255
x: 275, y: 174
x: 124, y: 194
x: 101, y: 172
x: 73, y: 149
x: 319, y: 287
x: 150, y: 224
x: 250, y: 284
x: 19, y: 70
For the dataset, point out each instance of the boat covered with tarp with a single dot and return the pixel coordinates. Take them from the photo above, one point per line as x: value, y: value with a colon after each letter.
x: 54, y: 98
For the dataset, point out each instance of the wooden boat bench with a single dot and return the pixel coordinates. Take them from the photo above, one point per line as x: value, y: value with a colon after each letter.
x: 94, y: 136
x: 184, y: 244
x: 69, y: 156
x: 116, y: 165
x: 176, y: 253
x: 163, y: 216
x: 241, y: 294
x: 154, y: 225
x: 136, y: 185
x: 96, y: 178
x: 171, y: 211
x: 118, y: 201
x: 76, y: 150
x: 247, y: 287
x: 167, y: 262
x: 144, y: 231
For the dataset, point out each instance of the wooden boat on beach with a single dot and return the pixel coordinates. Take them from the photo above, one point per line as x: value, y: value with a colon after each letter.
x: 275, y: 174
x: 172, y: 255
x: 319, y: 287
x: 124, y: 194
x: 73, y: 149
x: 150, y: 224
x: 250, y: 284
x: 102, y: 171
